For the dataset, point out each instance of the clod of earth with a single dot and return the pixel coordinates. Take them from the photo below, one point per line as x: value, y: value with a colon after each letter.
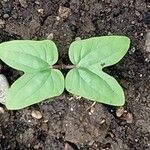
x: 64, y: 12
x: 88, y: 127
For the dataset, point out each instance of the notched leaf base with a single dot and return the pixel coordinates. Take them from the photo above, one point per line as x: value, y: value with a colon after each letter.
x: 40, y: 81
x: 91, y: 56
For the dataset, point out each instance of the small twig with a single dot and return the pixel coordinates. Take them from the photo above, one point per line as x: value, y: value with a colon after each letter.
x: 93, y: 104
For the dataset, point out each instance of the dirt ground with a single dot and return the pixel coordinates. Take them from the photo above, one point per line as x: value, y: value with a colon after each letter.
x: 66, y: 124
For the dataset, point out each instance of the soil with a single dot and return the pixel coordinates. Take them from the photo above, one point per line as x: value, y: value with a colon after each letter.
x: 66, y: 124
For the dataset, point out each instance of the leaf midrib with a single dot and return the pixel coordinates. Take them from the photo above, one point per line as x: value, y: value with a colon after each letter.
x: 36, y: 57
x: 42, y: 84
x: 98, y: 77
x: 37, y: 69
x: 81, y: 62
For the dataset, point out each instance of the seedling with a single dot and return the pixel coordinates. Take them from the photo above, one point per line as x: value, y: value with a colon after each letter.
x: 42, y: 79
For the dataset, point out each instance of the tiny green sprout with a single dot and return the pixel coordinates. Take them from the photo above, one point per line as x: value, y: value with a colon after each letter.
x: 43, y: 80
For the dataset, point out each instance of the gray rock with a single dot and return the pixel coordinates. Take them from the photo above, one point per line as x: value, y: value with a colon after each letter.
x: 5, y: 16
x: 4, y: 85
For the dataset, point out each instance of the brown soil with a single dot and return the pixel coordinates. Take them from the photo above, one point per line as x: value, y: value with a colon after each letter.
x: 66, y: 124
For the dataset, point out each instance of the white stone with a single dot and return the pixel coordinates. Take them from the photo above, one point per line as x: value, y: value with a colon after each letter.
x: 3, y: 88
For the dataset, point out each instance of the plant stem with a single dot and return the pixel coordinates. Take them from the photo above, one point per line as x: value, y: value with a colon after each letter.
x: 63, y: 66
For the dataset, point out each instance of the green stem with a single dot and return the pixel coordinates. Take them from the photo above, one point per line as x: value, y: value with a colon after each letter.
x: 63, y: 66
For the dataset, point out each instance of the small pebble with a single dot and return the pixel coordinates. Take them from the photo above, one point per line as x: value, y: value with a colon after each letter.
x: 2, y: 23
x: 2, y: 110
x: 57, y: 18
x: 45, y: 121
x: 136, y: 140
x: 132, y: 22
x: 91, y: 143
x: 103, y: 121
x: 119, y: 111
x: 141, y: 34
x: 78, y: 97
x: 137, y: 13
x: 147, y: 59
x: 132, y: 50
x: 92, y: 110
x: 90, y: 113
x: 5, y: 16
x: 41, y: 11
x: 36, y: 114
x: 36, y: 147
x: 37, y: 2
x: 77, y: 38
x: 129, y: 118
x: 23, y: 3
x: 50, y: 36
